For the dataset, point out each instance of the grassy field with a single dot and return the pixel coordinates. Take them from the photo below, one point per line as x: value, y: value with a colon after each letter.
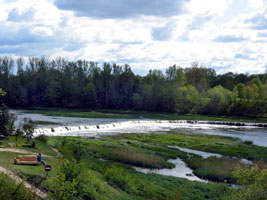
x: 152, y: 151
x: 129, y: 114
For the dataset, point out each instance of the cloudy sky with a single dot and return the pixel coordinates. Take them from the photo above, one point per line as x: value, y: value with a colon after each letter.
x: 227, y: 35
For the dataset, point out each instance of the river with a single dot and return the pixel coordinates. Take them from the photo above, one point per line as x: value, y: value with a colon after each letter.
x: 94, y: 127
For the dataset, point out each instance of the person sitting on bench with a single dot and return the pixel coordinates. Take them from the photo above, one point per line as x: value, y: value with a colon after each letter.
x: 39, y: 159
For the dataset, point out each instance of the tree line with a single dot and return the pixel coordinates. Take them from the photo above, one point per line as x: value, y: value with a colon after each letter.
x: 41, y: 82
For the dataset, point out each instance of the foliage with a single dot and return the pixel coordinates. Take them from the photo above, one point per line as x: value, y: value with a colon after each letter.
x: 253, y: 184
x: 10, y: 190
x: 4, y: 119
x: 60, y: 188
x: 2, y: 92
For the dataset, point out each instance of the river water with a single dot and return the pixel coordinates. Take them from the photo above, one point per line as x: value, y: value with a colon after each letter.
x: 89, y: 127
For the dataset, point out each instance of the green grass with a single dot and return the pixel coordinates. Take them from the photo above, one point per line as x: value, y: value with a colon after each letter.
x: 40, y: 147
x: 7, y: 161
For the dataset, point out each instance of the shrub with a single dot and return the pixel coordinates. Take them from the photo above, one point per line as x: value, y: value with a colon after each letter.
x: 253, y: 183
x: 42, y: 138
x: 248, y: 142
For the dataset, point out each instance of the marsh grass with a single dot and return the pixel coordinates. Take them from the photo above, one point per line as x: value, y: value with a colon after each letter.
x: 133, y: 157
x: 209, y: 143
x: 215, y: 169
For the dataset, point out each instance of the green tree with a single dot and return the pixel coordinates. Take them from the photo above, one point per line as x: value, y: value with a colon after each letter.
x: 186, y: 99
x: 2, y: 92
x: 219, y: 100
x: 28, y: 128
x: 253, y: 183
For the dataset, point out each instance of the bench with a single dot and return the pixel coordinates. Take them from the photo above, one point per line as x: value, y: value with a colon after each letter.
x: 26, y: 160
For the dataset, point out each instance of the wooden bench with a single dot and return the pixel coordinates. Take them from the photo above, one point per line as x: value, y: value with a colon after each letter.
x: 26, y: 160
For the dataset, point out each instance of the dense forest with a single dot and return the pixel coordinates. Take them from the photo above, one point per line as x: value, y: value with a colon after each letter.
x: 40, y: 82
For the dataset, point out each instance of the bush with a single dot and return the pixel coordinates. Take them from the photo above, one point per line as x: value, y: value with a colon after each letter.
x: 33, y: 179
x: 42, y: 138
x: 248, y: 142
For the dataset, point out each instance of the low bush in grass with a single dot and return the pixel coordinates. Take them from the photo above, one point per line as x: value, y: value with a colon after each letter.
x: 42, y: 138
x: 33, y: 179
x: 248, y: 142
x: 10, y: 190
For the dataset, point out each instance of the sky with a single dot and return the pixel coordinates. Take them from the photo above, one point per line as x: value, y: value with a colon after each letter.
x: 226, y: 35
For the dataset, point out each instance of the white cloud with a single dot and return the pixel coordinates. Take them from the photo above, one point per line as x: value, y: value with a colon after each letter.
x: 255, y: 3
x: 217, y: 7
x: 38, y: 27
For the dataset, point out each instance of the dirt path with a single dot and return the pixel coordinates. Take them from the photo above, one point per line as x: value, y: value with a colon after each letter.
x: 26, y: 184
x: 58, y: 153
x: 20, y: 151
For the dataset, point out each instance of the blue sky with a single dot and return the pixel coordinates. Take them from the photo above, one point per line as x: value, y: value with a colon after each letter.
x: 227, y: 35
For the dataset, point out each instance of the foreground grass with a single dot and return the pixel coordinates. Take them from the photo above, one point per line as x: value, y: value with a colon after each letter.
x: 130, y: 114
x: 10, y: 190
